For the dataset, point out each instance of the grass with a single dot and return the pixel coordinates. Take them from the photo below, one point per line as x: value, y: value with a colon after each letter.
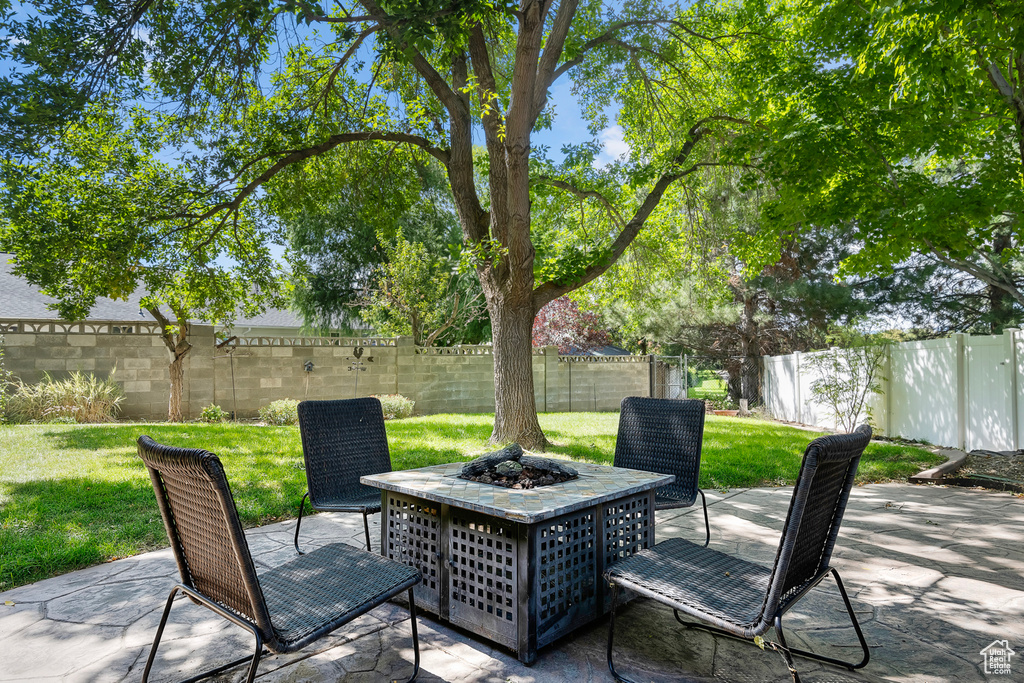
x: 709, y: 388
x: 76, y: 495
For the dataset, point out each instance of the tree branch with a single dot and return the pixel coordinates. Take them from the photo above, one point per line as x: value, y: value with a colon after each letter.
x: 609, y: 35
x: 616, y: 217
x: 549, y: 291
x: 448, y: 97
x: 290, y: 157
x: 980, y: 273
x: 553, y: 48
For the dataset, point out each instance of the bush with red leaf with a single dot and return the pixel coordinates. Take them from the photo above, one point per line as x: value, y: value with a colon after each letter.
x: 561, y: 323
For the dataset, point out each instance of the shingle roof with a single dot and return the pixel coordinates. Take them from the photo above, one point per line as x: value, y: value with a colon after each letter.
x: 19, y: 299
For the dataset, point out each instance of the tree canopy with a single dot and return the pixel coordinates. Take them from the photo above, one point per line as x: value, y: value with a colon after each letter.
x: 79, y: 218
x: 257, y: 91
x: 904, y: 121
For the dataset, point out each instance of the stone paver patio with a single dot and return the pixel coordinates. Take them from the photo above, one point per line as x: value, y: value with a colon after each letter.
x: 935, y: 574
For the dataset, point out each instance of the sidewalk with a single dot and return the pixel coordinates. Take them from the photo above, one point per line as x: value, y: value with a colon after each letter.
x: 935, y: 574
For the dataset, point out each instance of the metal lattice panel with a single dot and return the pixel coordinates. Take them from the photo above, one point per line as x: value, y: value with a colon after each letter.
x: 626, y: 527
x: 414, y: 538
x: 566, y: 589
x: 484, y: 557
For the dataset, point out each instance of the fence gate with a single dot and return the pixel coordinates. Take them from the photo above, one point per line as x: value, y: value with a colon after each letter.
x: 667, y: 377
x: 722, y: 380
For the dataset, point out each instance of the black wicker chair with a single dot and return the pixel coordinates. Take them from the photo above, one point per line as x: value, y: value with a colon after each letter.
x: 341, y: 441
x: 664, y: 436
x: 285, y: 608
x: 743, y: 599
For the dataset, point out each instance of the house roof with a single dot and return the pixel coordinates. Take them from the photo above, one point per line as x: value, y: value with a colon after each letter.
x: 608, y: 350
x: 19, y: 299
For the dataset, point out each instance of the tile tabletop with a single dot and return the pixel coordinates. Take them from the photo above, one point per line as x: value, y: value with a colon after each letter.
x: 596, y: 484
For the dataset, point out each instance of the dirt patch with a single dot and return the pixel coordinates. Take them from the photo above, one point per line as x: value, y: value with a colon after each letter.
x: 991, y: 469
x: 1005, y: 465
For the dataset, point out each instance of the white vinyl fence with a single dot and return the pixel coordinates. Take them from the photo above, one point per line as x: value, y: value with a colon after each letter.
x: 964, y: 391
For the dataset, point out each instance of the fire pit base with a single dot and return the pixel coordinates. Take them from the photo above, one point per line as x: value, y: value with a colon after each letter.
x: 520, y: 584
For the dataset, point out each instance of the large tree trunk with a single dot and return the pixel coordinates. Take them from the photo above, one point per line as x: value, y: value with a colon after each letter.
x: 515, y: 409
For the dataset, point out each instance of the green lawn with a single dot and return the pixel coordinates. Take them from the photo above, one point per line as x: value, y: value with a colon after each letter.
x: 73, y: 496
x: 709, y: 388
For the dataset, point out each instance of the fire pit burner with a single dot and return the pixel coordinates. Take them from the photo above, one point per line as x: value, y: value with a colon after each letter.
x: 511, y: 469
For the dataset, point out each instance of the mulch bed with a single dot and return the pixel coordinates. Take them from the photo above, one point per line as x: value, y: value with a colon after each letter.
x: 1003, y: 471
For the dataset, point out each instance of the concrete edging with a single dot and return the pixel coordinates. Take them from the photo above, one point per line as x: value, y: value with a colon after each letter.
x: 954, y: 459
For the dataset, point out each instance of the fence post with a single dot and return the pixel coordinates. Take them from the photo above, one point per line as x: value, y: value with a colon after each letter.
x: 685, y: 379
x: 960, y: 348
x: 552, y: 387
x: 766, y: 373
x: 799, y: 397
x: 652, y: 374
x: 1010, y: 334
x: 889, y: 431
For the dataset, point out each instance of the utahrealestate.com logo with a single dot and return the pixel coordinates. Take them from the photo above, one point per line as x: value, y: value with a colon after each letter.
x: 997, y: 657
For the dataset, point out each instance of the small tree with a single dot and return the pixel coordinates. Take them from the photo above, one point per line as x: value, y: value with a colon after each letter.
x: 561, y: 323
x: 87, y: 218
x: 846, y: 378
x: 415, y: 293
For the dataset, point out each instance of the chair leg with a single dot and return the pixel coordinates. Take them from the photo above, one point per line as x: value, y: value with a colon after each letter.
x: 856, y: 627
x: 254, y: 659
x: 302, y: 505
x: 786, y: 653
x: 366, y: 530
x: 611, y: 635
x: 707, y: 523
x: 415, y: 639
x: 777, y: 647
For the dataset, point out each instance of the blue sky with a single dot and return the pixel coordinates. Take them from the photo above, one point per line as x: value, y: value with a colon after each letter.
x: 569, y: 127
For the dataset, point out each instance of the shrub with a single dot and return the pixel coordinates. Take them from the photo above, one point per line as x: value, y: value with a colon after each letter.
x: 213, y: 413
x: 79, y: 398
x: 395, y: 406
x: 846, y: 379
x: 721, y: 404
x: 281, y: 412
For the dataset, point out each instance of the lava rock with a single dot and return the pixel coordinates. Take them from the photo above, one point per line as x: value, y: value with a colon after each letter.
x: 547, y: 465
x: 487, y: 461
x: 508, y: 468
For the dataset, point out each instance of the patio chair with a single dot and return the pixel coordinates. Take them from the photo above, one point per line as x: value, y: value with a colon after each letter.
x: 285, y: 608
x: 664, y: 436
x: 742, y: 599
x: 341, y: 441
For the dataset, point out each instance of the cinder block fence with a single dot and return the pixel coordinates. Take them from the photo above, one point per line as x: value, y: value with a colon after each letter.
x: 242, y: 374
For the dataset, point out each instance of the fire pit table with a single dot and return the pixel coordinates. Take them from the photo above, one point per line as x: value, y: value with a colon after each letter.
x: 519, y: 567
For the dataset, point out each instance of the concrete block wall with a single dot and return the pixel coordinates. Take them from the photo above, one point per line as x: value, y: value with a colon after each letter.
x: 248, y: 376
x: 244, y: 374
x: 595, y: 383
x: 133, y: 351
x: 456, y: 380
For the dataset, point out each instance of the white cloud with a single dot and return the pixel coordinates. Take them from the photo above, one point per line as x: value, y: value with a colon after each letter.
x: 614, y: 146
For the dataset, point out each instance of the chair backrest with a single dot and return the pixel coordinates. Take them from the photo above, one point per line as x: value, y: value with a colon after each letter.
x: 341, y: 441
x: 815, y: 513
x: 202, y: 524
x: 664, y: 436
